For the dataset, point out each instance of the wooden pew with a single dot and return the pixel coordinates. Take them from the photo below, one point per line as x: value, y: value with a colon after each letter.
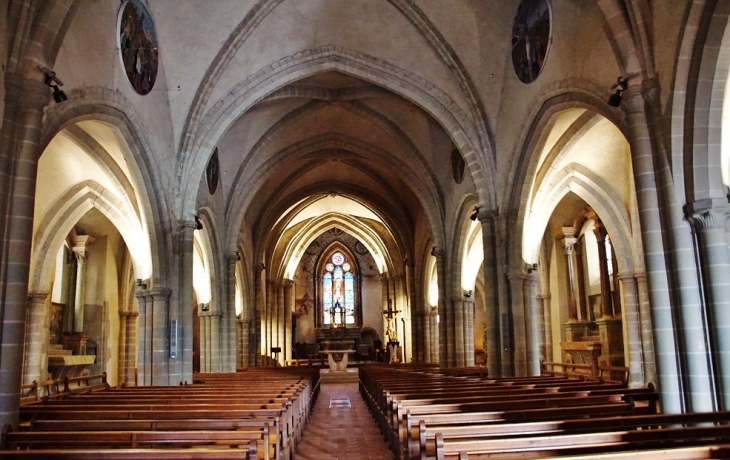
x: 427, y: 432
x: 133, y: 454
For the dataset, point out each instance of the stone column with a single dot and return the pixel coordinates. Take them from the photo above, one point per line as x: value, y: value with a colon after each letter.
x: 80, y: 249
x: 459, y: 326
x: 491, y: 294
x: 246, y: 346
x: 214, y: 321
x: 616, y: 285
x: 633, y: 329
x: 130, y: 347
x: 583, y: 313
x: 427, y: 336
x: 646, y: 329
x: 287, y: 346
x: 144, y: 350
x: 203, y: 338
x: 709, y: 219
x: 181, y: 367
x: 606, y: 299
x: 230, y: 326
x: 36, y: 337
x: 533, y: 316
x: 435, y: 335
x: 23, y: 115
x: 651, y: 173
x: 255, y: 347
x: 469, y: 331
x: 575, y: 329
x: 519, y: 323
x: 160, y: 336
x: 547, y: 318
x: 280, y: 322
x: 444, y: 349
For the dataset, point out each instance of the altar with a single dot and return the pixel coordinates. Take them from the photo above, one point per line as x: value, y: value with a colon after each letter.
x: 337, y: 349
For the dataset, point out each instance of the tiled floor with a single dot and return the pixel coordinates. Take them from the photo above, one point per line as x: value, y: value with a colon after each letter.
x: 339, y: 433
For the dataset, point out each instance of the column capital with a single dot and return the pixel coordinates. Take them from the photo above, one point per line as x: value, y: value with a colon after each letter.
x: 30, y: 94
x: 258, y: 268
x: 707, y: 213
x: 37, y: 297
x: 130, y: 313
x: 487, y: 216
x: 287, y: 283
x: 233, y: 257
x: 80, y: 246
x: 185, y: 224
x: 438, y: 252
x: 635, y: 97
x: 160, y: 293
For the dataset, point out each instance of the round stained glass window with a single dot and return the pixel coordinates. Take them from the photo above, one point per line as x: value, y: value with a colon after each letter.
x: 138, y: 46
x: 338, y: 258
x: 346, y: 267
x: 329, y: 267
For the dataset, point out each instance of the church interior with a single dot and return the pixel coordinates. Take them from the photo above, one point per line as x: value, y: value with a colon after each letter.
x: 507, y: 188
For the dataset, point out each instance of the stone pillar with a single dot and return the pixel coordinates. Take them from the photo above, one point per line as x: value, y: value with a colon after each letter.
x: 255, y: 347
x: 435, y: 334
x: 81, y: 252
x: 130, y: 347
x: 230, y: 325
x: 633, y: 329
x: 144, y: 350
x: 427, y: 337
x: 181, y: 367
x: 533, y: 316
x: 444, y: 349
x: 519, y: 323
x: 21, y: 130
x: 709, y: 219
x: 457, y: 307
x: 583, y: 310
x: 280, y: 323
x: 36, y: 346
x: 203, y: 338
x: 545, y: 300
x: 288, y: 344
x: 245, y: 342
x: 606, y: 298
x: 616, y: 285
x: 491, y: 294
x: 215, y: 341
x: 469, y: 331
x: 568, y: 242
x: 646, y: 329
x: 160, y: 336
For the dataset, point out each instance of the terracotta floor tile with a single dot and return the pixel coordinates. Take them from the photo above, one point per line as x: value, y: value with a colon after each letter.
x: 341, y: 433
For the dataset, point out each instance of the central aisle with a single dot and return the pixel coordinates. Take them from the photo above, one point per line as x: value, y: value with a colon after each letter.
x: 341, y: 433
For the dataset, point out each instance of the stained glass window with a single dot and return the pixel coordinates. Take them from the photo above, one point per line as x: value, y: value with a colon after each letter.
x: 338, y: 287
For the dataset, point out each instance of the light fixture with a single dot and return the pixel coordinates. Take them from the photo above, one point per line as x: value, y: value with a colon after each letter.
x: 140, y: 284
x: 474, y: 213
x: 531, y: 268
x: 52, y: 81
x: 467, y: 293
x: 204, y: 307
x: 198, y: 223
x: 614, y: 100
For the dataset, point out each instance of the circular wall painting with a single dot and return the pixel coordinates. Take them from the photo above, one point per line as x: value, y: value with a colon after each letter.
x: 458, y: 166
x: 530, y: 39
x: 138, y: 46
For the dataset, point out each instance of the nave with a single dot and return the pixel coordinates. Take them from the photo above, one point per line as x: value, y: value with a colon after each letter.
x: 374, y: 412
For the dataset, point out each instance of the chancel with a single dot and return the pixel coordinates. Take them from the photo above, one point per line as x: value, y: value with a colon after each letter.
x: 250, y: 208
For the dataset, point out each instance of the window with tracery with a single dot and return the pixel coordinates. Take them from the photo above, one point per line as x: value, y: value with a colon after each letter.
x: 338, y: 291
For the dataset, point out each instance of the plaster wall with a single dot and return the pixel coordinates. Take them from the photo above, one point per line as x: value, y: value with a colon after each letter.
x: 373, y: 28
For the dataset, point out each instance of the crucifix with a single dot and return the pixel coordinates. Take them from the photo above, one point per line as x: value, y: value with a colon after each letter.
x: 391, y: 326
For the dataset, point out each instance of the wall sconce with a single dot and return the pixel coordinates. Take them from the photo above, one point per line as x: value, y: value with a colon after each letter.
x: 140, y: 284
x: 531, y: 268
x: 467, y: 293
x: 614, y: 100
x: 204, y: 307
x: 198, y: 223
x: 49, y: 79
x: 238, y: 255
x: 474, y: 213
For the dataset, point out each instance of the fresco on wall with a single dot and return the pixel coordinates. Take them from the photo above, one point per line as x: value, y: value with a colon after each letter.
x: 138, y: 46
x: 530, y: 39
